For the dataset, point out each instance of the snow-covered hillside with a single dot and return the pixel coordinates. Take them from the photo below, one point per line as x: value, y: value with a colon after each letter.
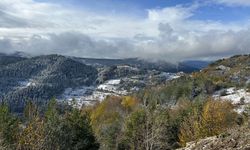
x: 89, y: 95
x: 115, y: 87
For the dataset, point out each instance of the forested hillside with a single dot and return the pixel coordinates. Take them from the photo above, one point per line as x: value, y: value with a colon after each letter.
x: 41, y: 78
x: 217, y: 77
x: 203, y: 106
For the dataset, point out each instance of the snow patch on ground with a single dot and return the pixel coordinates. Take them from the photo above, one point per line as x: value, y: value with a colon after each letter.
x: 239, y: 97
x: 88, y: 95
x: 77, y: 93
x: 114, y: 87
x: 26, y: 83
x: 169, y: 76
x: 114, y: 82
x: 235, y: 96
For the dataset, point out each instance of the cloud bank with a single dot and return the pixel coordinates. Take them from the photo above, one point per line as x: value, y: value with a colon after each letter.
x: 168, y: 33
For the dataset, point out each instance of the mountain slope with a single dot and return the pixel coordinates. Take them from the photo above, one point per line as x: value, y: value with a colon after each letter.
x: 41, y: 78
x: 216, y: 78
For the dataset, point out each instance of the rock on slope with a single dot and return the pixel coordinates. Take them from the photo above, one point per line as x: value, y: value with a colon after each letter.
x: 235, y: 139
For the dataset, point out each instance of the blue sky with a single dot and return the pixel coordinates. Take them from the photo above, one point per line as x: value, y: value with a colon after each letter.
x: 207, y: 10
x: 170, y: 30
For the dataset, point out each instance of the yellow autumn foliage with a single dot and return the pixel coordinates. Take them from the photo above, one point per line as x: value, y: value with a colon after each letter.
x: 106, y: 112
x: 190, y: 129
x: 215, y: 117
x: 32, y: 136
x: 129, y: 102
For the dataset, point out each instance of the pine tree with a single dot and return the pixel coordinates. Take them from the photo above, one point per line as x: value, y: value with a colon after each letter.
x: 81, y: 134
x: 9, y: 127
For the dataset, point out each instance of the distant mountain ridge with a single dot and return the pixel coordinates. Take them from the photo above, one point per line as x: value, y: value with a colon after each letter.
x: 186, y: 66
x: 196, y: 63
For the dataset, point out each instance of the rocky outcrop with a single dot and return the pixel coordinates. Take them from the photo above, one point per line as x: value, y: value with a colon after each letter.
x: 235, y: 139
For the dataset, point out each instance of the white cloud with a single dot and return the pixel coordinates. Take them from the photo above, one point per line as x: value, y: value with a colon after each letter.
x: 169, y: 33
x: 67, y: 43
x: 170, y: 14
x: 233, y: 2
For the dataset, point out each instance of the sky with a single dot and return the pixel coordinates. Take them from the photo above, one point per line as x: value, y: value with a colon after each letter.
x: 171, y: 30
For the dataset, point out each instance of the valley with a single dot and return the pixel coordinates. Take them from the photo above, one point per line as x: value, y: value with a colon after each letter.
x: 114, y: 87
x: 40, y: 78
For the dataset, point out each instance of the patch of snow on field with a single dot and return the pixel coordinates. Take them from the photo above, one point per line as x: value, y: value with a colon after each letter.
x: 26, y: 83
x: 77, y: 93
x: 81, y: 98
x: 235, y: 96
x: 174, y: 77
x: 113, y: 87
x: 238, y: 97
x: 106, y: 87
x: 88, y: 95
x: 114, y: 82
x: 110, y: 85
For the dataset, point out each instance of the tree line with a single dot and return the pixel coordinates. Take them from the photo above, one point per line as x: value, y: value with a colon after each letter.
x: 121, y: 123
